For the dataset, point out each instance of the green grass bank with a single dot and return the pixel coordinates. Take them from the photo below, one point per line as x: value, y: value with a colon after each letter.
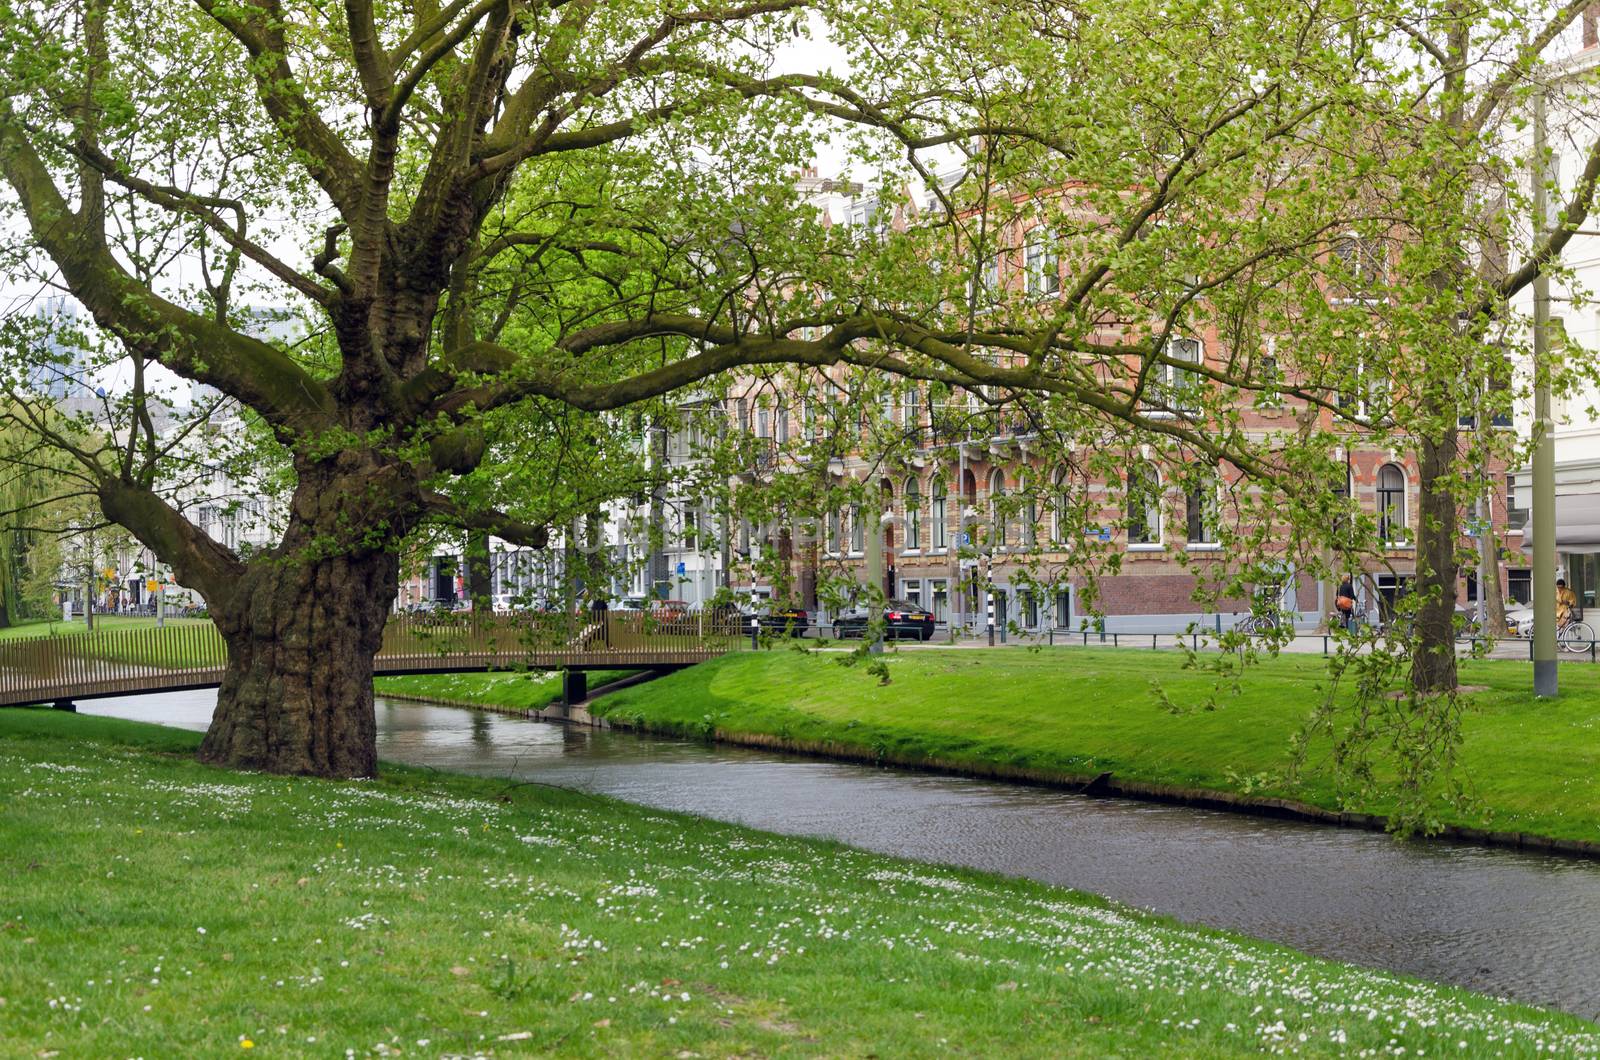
x: 57, y: 628
x: 157, y: 907
x: 1533, y: 767
x: 515, y: 691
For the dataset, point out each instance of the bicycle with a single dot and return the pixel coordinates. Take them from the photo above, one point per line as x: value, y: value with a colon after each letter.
x: 1574, y: 635
x: 1253, y: 624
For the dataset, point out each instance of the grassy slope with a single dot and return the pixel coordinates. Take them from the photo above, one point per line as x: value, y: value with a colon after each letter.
x: 1533, y: 767
x: 156, y: 907
x: 520, y: 690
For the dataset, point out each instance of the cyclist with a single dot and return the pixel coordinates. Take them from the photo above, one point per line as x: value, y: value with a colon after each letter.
x: 1566, y: 601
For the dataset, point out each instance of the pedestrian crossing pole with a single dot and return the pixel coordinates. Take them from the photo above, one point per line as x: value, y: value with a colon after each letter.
x: 988, y: 608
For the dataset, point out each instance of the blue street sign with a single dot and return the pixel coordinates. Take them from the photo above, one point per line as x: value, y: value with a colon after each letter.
x: 681, y: 567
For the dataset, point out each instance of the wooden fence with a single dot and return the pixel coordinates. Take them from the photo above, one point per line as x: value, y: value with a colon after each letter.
x: 193, y: 655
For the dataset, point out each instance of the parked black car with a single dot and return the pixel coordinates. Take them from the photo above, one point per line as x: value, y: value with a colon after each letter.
x: 902, y: 620
x: 781, y: 621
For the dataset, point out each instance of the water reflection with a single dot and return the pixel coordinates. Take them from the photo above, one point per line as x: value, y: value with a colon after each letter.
x: 1499, y: 921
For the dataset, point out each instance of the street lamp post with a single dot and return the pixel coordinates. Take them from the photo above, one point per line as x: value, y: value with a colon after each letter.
x: 1546, y: 681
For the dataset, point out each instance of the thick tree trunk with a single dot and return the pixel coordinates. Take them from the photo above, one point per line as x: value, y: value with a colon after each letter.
x: 297, y: 694
x: 1433, y: 662
x: 304, y: 623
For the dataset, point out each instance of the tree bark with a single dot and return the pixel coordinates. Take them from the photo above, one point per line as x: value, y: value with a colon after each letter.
x: 1433, y: 660
x: 297, y: 693
x: 304, y: 623
x: 479, y: 581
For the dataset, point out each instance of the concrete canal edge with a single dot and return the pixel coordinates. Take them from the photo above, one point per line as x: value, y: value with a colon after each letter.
x: 1098, y: 785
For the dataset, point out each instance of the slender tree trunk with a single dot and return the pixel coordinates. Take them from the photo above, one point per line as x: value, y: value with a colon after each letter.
x: 1433, y: 662
x: 480, y: 585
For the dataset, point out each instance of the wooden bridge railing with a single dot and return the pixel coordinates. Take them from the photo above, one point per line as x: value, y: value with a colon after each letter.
x: 193, y: 655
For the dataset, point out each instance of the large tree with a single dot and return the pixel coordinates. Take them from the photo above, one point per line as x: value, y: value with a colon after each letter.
x: 507, y: 209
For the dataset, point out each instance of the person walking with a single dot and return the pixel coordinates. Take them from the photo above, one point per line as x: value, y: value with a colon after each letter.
x: 1345, y: 603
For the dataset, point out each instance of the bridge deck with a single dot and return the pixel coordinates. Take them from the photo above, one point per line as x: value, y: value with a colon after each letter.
x: 113, y: 662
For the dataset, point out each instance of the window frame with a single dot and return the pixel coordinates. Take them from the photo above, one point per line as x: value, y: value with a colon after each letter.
x: 1151, y: 539
x: 1387, y: 499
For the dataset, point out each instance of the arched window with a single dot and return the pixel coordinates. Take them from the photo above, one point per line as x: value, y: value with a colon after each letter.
x: 1200, y: 512
x: 997, y: 509
x: 913, y: 514
x: 1182, y: 387
x: 1144, y: 505
x: 1391, y: 504
x: 1060, y: 502
x: 941, y: 522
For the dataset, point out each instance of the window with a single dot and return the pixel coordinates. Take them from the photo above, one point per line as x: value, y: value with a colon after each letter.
x: 1368, y: 394
x: 1063, y: 609
x: 913, y: 412
x: 983, y: 287
x: 1144, y: 505
x: 1030, y: 609
x: 831, y: 540
x: 1391, y: 504
x: 1516, y: 518
x: 1180, y: 388
x: 763, y: 422
x: 941, y: 524
x: 1269, y: 376
x: 997, y: 510
x: 913, y: 592
x: 939, y: 598
x: 1029, y: 531
x: 782, y: 423
x: 1060, y: 503
x: 1358, y: 265
x: 1043, y: 264
x: 1200, y: 511
x: 913, y: 514
x: 743, y: 407
x: 858, y: 530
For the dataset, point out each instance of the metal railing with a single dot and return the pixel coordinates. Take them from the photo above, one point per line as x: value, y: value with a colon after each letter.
x: 147, y: 659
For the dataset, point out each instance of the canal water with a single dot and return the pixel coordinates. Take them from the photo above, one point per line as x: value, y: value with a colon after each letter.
x: 1525, y: 926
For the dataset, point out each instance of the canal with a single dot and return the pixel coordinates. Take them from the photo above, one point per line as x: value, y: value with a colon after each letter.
x: 1507, y: 923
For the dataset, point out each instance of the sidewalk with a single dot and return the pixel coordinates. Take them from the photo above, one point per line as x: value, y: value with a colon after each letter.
x: 1509, y: 648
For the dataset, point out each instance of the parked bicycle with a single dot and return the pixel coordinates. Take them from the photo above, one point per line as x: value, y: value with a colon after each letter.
x: 1265, y: 622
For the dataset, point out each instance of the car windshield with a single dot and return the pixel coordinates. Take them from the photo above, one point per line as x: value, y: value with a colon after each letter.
x: 904, y: 605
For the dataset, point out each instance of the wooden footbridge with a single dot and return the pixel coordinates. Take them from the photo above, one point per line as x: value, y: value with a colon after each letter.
x: 128, y: 661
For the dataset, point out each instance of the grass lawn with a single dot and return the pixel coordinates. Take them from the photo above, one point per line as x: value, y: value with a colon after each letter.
x: 58, y: 628
x: 156, y: 907
x: 1532, y: 766
x: 518, y: 690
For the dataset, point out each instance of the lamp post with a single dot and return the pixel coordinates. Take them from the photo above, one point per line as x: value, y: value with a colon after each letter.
x: 1546, y: 681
